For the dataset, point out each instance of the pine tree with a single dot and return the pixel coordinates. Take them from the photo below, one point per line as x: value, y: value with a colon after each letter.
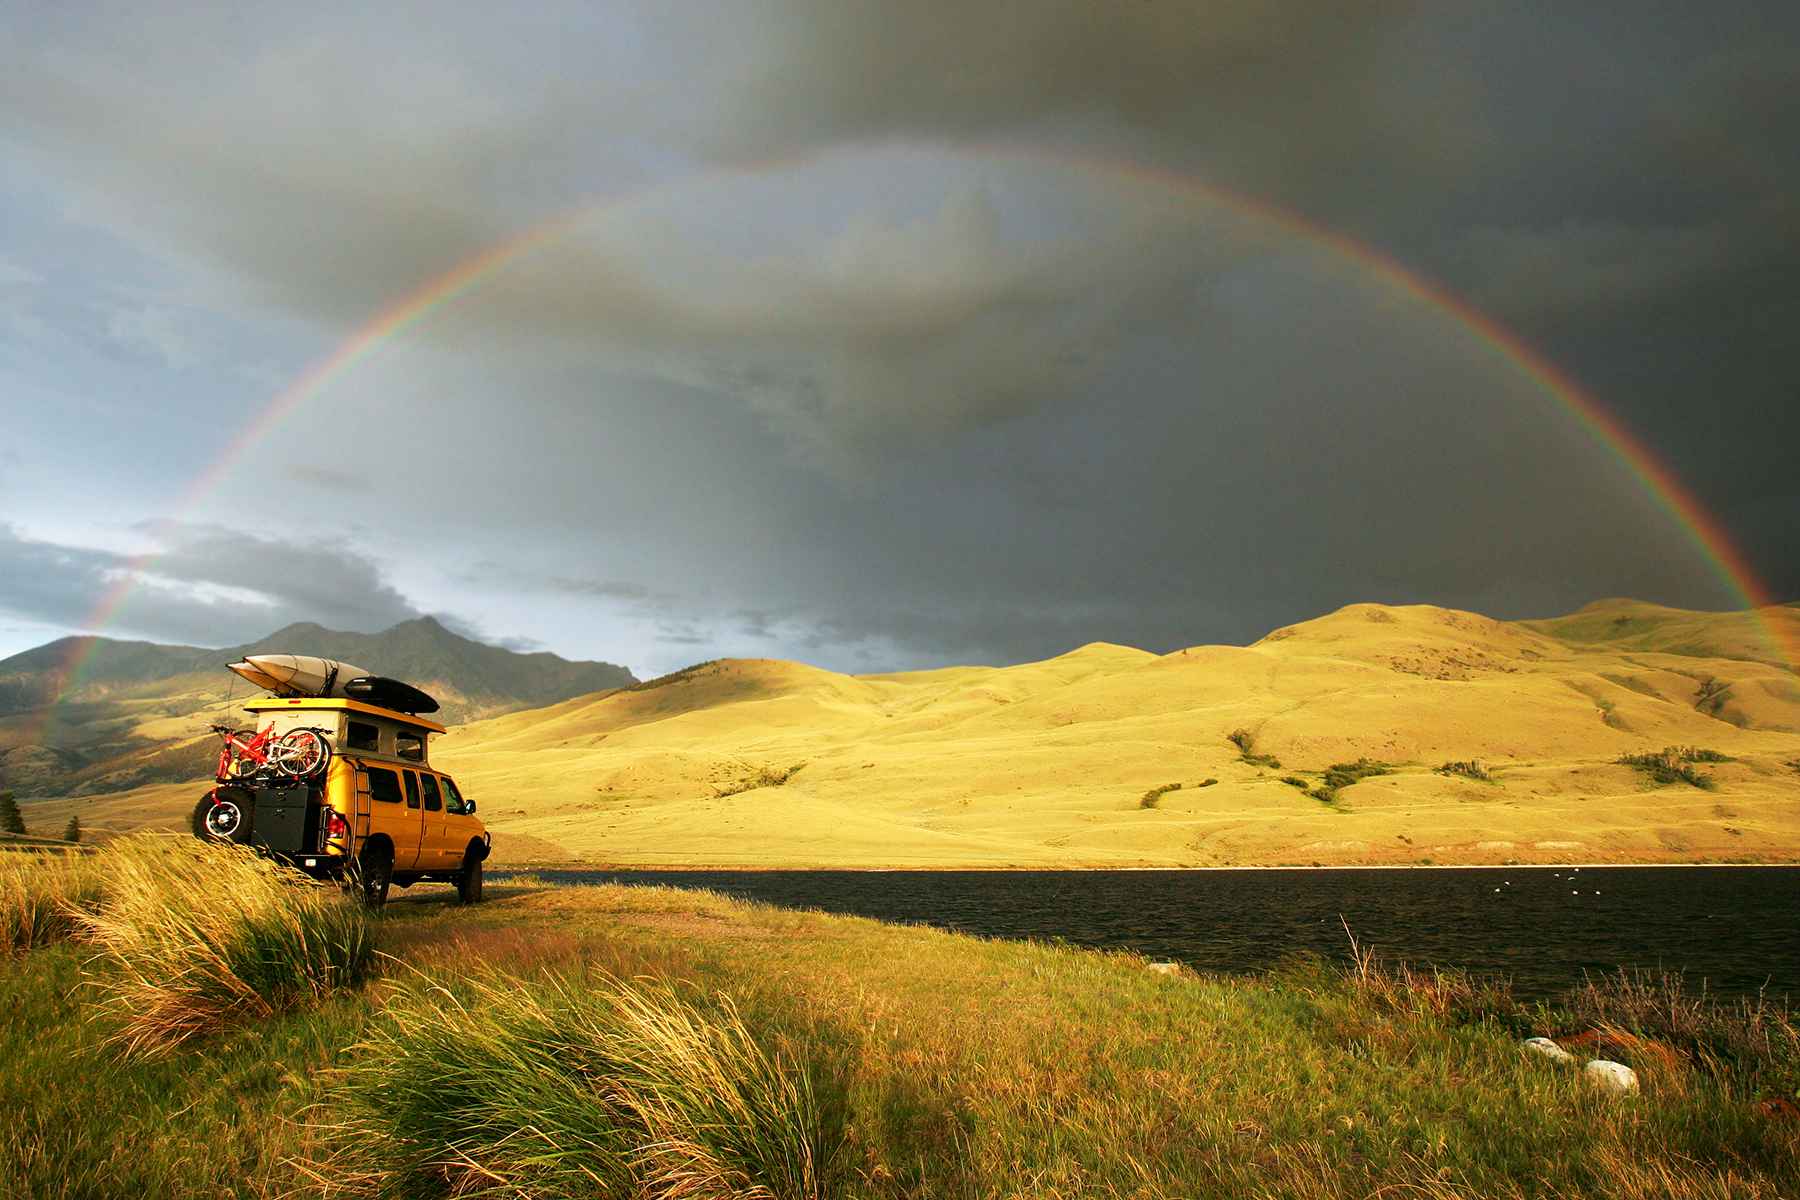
x: 11, y: 819
x: 72, y: 831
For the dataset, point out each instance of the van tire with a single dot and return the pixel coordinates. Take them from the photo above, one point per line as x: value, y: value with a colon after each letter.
x: 468, y: 880
x: 374, y: 872
x: 239, y: 799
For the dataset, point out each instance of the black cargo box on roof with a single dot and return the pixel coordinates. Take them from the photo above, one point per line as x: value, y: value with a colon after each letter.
x: 383, y: 692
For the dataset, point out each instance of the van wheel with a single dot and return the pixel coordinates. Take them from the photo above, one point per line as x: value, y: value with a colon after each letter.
x: 468, y: 880
x: 223, y: 815
x: 374, y: 871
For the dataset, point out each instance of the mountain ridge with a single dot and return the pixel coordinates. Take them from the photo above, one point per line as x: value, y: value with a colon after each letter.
x: 96, y: 713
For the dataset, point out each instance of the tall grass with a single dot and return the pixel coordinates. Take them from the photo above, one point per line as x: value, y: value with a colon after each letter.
x: 41, y: 895
x: 577, y: 1086
x: 193, y: 936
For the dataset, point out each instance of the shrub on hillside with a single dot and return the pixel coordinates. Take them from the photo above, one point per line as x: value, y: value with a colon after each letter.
x: 580, y: 1087
x: 194, y: 935
x: 1154, y: 796
x: 1245, y: 741
x: 763, y: 777
x: 1467, y: 768
x: 1674, y: 764
x: 1341, y: 775
x: 1711, y: 696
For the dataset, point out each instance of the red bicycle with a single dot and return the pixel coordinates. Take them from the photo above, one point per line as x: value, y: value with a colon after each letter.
x: 298, y: 753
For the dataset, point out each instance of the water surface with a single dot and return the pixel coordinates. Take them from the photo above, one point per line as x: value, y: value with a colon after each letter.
x: 1732, y: 930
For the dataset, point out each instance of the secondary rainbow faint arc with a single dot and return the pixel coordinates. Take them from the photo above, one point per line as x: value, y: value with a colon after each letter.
x: 1715, y: 545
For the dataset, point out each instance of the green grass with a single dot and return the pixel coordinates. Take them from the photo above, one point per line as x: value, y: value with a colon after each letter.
x: 1675, y: 764
x: 656, y: 1042
x: 1153, y: 797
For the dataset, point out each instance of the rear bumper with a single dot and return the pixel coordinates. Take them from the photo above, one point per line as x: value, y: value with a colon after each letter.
x: 319, y: 866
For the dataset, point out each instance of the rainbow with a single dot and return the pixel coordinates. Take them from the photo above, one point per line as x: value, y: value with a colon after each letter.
x: 1698, y: 526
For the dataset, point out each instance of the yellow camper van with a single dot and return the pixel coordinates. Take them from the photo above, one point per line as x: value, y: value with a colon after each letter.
x: 378, y: 814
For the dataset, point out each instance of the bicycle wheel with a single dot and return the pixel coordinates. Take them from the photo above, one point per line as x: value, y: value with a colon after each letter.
x: 302, y: 753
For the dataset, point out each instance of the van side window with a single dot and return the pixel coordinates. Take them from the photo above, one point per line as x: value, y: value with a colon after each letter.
x: 410, y: 746
x: 361, y: 735
x: 412, y: 790
x: 428, y: 784
x: 453, y: 801
x: 384, y: 785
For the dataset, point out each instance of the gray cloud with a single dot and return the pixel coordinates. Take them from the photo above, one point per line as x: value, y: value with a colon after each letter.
x: 206, y: 586
x: 873, y: 352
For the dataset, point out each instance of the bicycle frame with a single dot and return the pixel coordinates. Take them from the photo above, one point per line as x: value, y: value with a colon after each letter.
x: 237, y: 747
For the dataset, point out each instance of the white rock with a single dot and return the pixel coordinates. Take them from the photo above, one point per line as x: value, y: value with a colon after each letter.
x: 1166, y: 968
x: 1548, y: 1049
x: 1613, y: 1077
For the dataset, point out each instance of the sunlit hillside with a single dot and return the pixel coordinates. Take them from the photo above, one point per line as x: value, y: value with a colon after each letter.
x: 760, y: 762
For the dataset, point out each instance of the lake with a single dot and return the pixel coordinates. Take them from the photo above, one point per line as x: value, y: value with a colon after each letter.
x: 1733, y: 930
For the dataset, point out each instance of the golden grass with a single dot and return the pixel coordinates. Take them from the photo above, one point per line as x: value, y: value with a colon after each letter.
x: 193, y: 937
x: 42, y: 895
x: 571, y: 1086
x: 580, y: 1041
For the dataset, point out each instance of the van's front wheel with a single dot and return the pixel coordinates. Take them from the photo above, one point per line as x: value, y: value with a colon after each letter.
x: 468, y: 880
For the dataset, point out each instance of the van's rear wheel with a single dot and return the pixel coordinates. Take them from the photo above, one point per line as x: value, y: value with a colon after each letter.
x: 374, y: 872
x: 468, y: 880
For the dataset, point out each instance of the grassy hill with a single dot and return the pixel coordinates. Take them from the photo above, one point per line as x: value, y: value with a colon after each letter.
x: 1372, y: 735
x: 1065, y: 762
x: 136, y: 713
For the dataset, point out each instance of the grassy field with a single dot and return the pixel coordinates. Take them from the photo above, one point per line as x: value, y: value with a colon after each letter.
x: 655, y: 1042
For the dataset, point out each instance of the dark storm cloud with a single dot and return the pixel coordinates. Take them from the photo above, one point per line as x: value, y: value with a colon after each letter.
x: 932, y: 420
x: 207, y: 586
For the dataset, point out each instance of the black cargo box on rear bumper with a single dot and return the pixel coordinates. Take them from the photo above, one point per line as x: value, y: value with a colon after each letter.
x: 286, y: 820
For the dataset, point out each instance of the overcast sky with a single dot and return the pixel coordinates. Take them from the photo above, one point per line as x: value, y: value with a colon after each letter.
x: 885, y: 334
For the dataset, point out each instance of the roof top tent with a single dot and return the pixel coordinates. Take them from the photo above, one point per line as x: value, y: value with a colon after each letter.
x: 353, y: 727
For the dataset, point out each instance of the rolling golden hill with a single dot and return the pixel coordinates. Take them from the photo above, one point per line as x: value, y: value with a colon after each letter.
x: 752, y: 762
x: 768, y: 763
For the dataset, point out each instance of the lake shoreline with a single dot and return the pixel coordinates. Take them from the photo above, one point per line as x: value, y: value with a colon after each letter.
x: 527, y: 868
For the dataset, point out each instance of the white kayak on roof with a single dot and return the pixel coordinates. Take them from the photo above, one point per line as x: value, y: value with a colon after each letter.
x: 298, y: 674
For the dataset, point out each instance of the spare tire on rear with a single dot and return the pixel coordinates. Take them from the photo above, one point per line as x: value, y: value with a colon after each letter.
x: 224, y: 814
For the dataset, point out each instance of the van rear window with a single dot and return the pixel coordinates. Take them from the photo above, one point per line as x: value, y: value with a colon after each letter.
x: 384, y: 785
x: 361, y: 735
